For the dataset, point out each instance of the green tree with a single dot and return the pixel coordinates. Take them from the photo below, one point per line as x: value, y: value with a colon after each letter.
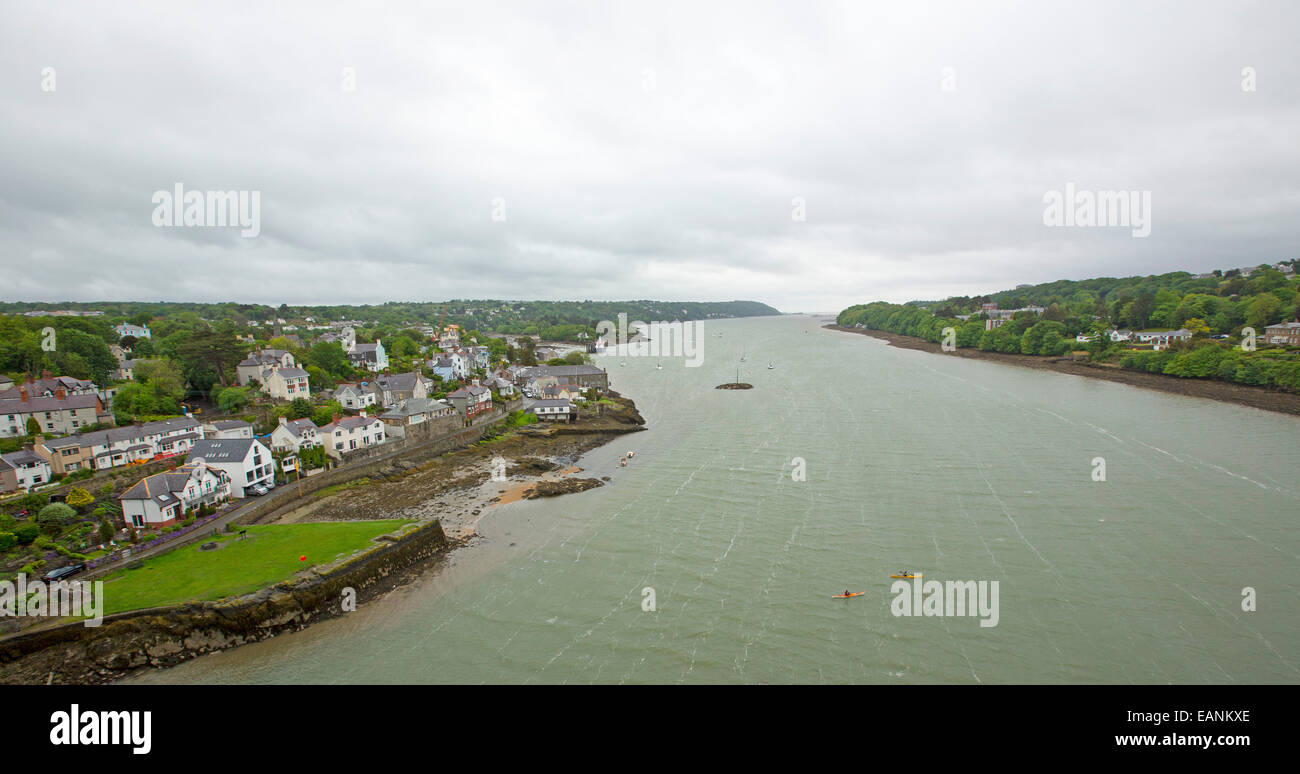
x: 54, y: 517
x: 232, y: 399
x: 214, y: 349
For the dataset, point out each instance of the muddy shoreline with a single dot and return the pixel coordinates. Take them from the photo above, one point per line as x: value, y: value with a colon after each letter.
x: 1227, y: 392
x: 460, y: 487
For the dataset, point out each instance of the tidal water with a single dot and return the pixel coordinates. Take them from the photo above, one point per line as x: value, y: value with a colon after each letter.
x: 959, y: 469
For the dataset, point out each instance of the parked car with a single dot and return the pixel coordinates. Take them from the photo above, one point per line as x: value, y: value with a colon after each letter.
x: 259, y: 490
x: 65, y: 571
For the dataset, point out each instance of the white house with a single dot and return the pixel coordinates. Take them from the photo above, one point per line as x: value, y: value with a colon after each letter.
x: 257, y: 364
x: 348, y: 434
x: 355, y: 397
x: 286, y: 383
x: 246, y: 461
x: 228, y: 428
x: 554, y: 410
x: 22, y: 469
x: 294, y: 435
x: 134, y: 331
x: 368, y: 356
x: 164, y: 498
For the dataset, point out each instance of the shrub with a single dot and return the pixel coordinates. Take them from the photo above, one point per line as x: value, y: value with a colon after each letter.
x: 26, y: 533
x: 31, y: 567
x: 79, y: 498
x: 33, y: 501
x: 7, y: 541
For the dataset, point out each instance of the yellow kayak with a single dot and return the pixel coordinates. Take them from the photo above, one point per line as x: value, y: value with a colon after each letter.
x: 902, y: 576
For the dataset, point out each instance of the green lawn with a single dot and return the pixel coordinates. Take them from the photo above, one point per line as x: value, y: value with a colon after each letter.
x: 269, y: 554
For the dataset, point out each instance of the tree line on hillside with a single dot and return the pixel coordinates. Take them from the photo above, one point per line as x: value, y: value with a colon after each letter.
x: 551, y: 320
x: 1224, y: 304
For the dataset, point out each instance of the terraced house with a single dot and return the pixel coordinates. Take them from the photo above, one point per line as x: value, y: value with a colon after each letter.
x: 59, y: 412
x: 584, y: 376
x: 471, y: 400
x: 165, y: 498
x: 118, y: 446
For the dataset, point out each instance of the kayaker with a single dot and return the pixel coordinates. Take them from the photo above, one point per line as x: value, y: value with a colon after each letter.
x: 846, y: 592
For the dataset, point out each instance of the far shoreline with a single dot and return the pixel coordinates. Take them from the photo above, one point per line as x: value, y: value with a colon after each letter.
x: 1211, y: 389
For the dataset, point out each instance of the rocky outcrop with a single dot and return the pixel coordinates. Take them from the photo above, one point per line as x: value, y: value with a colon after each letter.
x: 562, y: 487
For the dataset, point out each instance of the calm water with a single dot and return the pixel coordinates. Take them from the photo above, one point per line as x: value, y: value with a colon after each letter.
x: 963, y: 470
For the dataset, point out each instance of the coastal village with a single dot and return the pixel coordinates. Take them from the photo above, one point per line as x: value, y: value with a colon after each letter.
x: 81, y: 489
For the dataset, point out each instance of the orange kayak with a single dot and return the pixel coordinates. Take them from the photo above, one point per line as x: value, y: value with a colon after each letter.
x: 902, y: 576
x: 846, y: 596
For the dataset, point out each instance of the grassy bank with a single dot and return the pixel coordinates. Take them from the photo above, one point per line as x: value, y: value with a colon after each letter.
x: 267, y: 555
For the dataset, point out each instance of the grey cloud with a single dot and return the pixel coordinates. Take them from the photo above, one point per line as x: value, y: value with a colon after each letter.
x: 642, y: 150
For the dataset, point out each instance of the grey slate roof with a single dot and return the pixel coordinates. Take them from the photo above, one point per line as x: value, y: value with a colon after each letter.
x: 221, y: 449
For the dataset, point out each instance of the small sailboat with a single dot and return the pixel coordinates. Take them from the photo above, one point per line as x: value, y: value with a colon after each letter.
x: 660, y: 366
x: 631, y: 454
x: 742, y: 353
x: 770, y: 366
x: 622, y: 363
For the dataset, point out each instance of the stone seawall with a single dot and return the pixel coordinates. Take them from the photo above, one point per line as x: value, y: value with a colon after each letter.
x: 165, y: 636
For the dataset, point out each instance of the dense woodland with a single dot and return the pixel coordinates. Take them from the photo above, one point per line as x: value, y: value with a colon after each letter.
x: 1223, y: 304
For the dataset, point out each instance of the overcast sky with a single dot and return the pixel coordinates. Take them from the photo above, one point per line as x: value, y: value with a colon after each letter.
x: 637, y: 149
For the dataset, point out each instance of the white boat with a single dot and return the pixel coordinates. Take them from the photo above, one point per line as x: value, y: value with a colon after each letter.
x: 622, y: 363
x: 660, y: 366
x: 770, y: 366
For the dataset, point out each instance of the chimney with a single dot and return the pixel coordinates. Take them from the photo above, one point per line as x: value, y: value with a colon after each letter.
x: 283, y: 422
x: 46, y: 375
x: 363, y: 413
x: 336, y: 419
x: 22, y: 394
x: 60, y: 393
